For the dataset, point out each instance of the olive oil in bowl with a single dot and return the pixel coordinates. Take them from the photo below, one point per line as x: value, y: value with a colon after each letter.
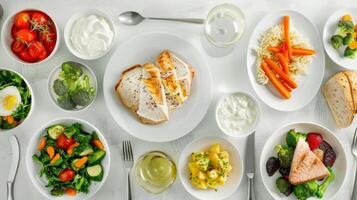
x: 155, y: 172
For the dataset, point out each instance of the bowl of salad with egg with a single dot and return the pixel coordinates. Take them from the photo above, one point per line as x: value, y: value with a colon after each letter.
x: 16, y: 99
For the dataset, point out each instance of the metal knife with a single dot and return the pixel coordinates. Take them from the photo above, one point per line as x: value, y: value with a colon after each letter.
x: 250, y: 165
x: 15, y: 149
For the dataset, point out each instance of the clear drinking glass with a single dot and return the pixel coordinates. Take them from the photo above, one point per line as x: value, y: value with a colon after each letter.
x: 155, y: 172
x: 224, y: 25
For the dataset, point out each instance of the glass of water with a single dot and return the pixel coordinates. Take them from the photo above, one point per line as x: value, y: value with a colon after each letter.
x: 224, y: 25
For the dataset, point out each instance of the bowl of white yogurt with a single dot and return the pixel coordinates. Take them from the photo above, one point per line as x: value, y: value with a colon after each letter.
x: 237, y: 114
x: 89, y: 34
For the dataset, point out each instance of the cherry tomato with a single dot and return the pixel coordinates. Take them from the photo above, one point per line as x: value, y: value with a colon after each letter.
x: 25, y: 35
x: 314, y: 140
x: 23, y: 55
x: 17, y: 46
x: 42, y: 55
x: 40, y: 19
x: 22, y: 20
x: 48, y: 38
x: 63, y: 142
x: 37, y: 50
x: 66, y: 175
x: 14, y: 30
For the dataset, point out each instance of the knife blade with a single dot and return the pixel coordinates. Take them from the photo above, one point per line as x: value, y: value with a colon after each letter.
x: 15, y: 149
x: 250, y: 165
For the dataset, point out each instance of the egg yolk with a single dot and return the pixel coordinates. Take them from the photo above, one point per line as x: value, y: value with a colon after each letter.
x: 10, y: 102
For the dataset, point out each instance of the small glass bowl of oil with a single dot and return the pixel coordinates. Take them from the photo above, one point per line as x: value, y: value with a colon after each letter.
x: 155, y: 172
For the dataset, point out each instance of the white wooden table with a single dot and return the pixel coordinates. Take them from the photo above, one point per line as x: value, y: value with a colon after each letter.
x: 229, y: 74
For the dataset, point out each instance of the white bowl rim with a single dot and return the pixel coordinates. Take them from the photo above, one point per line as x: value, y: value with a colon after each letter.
x: 8, y: 49
x: 241, y: 163
x: 254, y: 125
x: 39, y: 132
x: 70, y: 22
x: 301, y: 122
x: 32, y: 99
x: 53, y: 100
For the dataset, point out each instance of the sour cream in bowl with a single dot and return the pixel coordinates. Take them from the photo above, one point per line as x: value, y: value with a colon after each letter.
x: 237, y: 114
x: 90, y: 34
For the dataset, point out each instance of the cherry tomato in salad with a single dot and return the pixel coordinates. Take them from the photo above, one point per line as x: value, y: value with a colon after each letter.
x: 40, y: 19
x: 14, y: 30
x: 48, y: 38
x: 66, y: 175
x: 22, y: 20
x: 23, y: 55
x: 26, y: 36
x: 17, y: 46
x: 37, y: 50
x: 63, y: 142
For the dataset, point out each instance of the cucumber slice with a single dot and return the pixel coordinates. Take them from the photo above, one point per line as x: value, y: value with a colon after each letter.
x: 83, y: 150
x: 96, y: 157
x: 95, y: 172
x: 55, y: 131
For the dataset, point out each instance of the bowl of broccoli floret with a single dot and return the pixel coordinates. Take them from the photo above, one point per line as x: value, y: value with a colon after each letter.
x: 72, y: 86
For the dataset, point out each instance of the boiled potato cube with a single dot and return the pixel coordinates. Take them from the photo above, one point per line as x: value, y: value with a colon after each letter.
x: 216, y: 161
x: 223, y: 155
x: 192, y: 166
x: 197, y: 156
x: 222, y: 179
x: 200, y: 184
x: 203, y: 164
x: 227, y: 168
x: 212, y: 174
x: 201, y: 175
x: 215, y: 148
x: 212, y: 183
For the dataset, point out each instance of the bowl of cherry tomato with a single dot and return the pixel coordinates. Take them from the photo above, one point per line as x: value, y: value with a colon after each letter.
x: 30, y: 36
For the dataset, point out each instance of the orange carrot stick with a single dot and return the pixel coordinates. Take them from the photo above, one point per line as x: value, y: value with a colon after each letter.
x: 274, y: 49
x: 98, y: 143
x: 276, y: 82
x: 283, y: 62
x: 55, y: 158
x: 42, y: 144
x: 71, y: 192
x: 287, y: 35
x: 81, y: 162
x: 302, y: 52
x: 50, y: 151
x: 281, y: 74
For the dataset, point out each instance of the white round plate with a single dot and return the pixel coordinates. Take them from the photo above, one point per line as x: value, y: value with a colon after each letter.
x: 233, y: 180
x: 329, y: 30
x: 33, y: 168
x: 279, y: 137
x: 145, y: 48
x: 309, y: 83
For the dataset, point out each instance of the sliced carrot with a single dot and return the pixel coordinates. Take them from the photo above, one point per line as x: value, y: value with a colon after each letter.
x: 98, y: 143
x: 10, y: 119
x: 51, y: 151
x: 353, y: 45
x: 285, y: 52
x: 42, y: 144
x: 276, y: 82
x: 55, y: 158
x: 303, y: 52
x: 71, y: 192
x: 288, y: 88
x: 81, y: 162
x: 281, y: 73
x: 283, y: 62
x: 287, y: 35
x: 70, y: 148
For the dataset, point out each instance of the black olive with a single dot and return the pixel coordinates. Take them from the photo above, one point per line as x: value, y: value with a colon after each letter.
x: 272, y: 165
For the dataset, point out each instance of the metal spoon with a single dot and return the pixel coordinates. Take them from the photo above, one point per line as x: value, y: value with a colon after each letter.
x: 134, y: 18
x: 354, y: 152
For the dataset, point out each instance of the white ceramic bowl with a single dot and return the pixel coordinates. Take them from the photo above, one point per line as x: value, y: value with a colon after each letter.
x: 7, y: 39
x: 329, y: 30
x: 73, y: 20
x: 252, y: 127
x: 278, y: 137
x: 235, y: 176
x: 32, y: 100
x: 33, y: 168
x: 54, y: 75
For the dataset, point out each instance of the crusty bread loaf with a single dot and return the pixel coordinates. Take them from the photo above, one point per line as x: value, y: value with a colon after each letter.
x: 306, y: 166
x: 337, y: 92
x: 352, y: 78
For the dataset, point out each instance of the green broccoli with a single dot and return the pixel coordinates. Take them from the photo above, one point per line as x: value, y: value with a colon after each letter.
x: 322, y: 188
x: 350, y: 53
x: 336, y: 41
x: 82, y: 97
x: 72, y: 70
x: 347, y: 39
x: 311, y: 187
x: 301, y: 192
x: 284, y: 186
x: 285, y: 155
x: 345, y: 27
x: 293, y: 137
x: 65, y: 102
x: 60, y: 87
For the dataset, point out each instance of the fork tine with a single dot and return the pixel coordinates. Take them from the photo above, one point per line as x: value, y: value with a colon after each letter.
x: 130, y: 152
x: 124, y: 150
x: 354, y: 141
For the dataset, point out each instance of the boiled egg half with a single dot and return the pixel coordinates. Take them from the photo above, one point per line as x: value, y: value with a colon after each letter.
x: 10, y: 99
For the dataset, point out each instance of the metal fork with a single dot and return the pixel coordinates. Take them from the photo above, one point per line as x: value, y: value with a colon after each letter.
x: 354, y: 152
x: 128, y: 163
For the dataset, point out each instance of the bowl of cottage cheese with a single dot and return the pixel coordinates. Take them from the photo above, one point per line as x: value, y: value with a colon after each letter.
x: 237, y: 114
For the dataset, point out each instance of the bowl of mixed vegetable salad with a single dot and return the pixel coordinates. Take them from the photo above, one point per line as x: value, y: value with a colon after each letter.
x: 302, y: 161
x: 68, y: 158
x: 16, y: 99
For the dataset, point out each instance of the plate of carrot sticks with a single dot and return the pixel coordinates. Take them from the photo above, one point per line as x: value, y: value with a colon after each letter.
x: 285, y: 60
